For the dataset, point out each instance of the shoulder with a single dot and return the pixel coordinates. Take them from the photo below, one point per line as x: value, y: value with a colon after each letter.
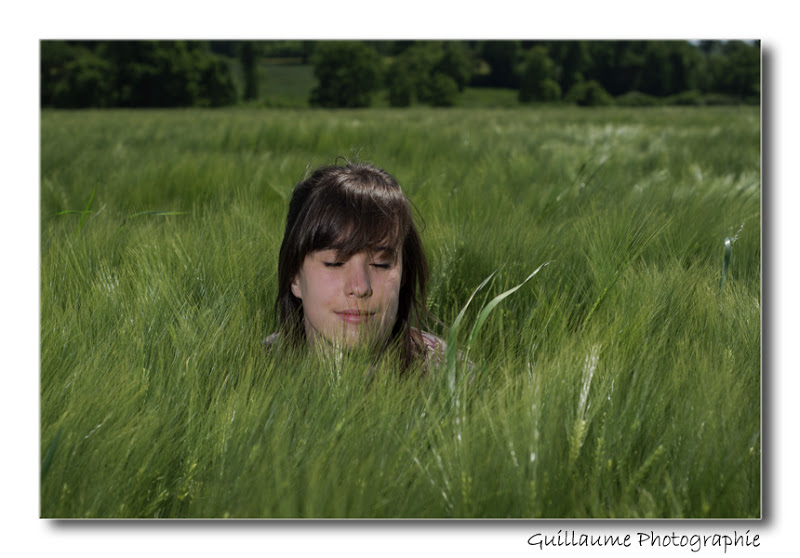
x: 270, y: 340
x: 435, y: 347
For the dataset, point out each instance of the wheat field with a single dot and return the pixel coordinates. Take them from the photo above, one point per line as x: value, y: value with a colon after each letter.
x: 623, y: 380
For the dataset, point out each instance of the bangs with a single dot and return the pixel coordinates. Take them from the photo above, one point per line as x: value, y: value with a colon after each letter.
x: 355, y: 223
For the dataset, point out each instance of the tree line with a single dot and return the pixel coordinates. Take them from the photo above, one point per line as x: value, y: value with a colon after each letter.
x: 77, y: 74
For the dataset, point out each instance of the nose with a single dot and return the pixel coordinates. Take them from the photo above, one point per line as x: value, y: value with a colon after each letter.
x: 358, y: 283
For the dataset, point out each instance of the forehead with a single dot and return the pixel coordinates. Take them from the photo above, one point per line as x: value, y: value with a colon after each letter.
x: 359, y: 236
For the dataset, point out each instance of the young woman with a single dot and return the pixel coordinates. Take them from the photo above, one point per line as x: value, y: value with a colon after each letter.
x: 352, y: 269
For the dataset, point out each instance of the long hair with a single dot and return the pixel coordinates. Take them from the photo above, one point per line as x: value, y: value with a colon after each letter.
x: 353, y: 208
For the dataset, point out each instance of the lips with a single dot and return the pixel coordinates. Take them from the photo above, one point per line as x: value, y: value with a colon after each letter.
x: 355, y: 316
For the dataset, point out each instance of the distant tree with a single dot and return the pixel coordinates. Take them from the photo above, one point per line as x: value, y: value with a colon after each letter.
x: 656, y: 73
x: 216, y: 83
x: 616, y: 65
x: 689, y: 98
x: 401, y: 85
x: 604, y: 57
x: 53, y: 57
x: 308, y: 51
x: 705, y: 46
x: 249, y: 60
x: 737, y: 70
x: 636, y: 99
x: 443, y: 91
x: 74, y: 77
x: 228, y: 49
x: 631, y: 58
x: 503, y: 58
x: 415, y: 65
x: 397, y: 47
x: 282, y: 49
x: 571, y: 58
x: 348, y: 73
x: 656, y: 68
x: 156, y: 73
x: 417, y: 74
x: 456, y: 63
x: 383, y: 48
x: 687, y: 62
x: 407, y: 76
x: 133, y: 74
x: 538, y: 83
x: 588, y: 94
x: 669, y: 67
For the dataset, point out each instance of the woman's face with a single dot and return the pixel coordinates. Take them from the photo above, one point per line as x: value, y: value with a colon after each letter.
x: 349, y: 301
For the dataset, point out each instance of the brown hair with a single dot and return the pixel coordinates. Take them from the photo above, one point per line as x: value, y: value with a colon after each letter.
x: 350, y: 209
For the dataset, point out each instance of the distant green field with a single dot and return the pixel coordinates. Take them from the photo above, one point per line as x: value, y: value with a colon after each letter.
x: 622, y: 381
x: 286, y: 83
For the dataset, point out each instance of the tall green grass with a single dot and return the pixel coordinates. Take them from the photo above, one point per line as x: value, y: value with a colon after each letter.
x: 619, y: 381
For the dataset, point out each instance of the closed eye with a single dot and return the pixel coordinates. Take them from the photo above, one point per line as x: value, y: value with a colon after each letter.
x: 332, y: 264
x: 382, y: 265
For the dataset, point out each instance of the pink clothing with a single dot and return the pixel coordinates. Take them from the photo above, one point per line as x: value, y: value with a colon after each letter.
x: 435, y: 347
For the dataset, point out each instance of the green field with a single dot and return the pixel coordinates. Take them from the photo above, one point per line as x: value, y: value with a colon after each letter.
x: 622, y: 381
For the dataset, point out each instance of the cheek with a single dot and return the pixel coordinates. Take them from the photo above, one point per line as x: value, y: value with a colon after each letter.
x: 392, y: 292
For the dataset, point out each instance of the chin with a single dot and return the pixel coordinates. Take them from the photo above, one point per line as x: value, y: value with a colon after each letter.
x: 348, y: 335
x: 353, y: 337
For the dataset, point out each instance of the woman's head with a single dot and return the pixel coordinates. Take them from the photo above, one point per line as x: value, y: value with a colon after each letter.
x: 351, y: 267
